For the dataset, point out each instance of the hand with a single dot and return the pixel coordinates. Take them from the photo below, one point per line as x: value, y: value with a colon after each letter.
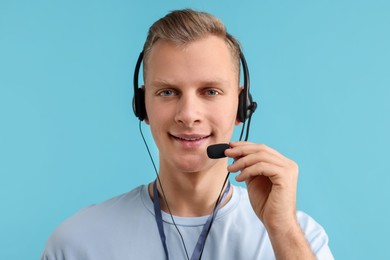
x: 271, y: 180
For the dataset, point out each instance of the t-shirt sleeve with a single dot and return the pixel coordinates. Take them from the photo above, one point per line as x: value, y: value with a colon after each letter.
x: 67, y: 240
x: 59, y: 246
x: 316, y: 237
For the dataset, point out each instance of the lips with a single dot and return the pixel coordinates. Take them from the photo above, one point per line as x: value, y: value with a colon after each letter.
x: 193, y: 137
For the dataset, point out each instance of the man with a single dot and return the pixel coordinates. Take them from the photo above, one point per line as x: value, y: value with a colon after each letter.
x: 190, y: 100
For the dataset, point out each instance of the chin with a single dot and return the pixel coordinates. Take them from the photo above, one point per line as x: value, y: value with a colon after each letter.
x: 192, y: 165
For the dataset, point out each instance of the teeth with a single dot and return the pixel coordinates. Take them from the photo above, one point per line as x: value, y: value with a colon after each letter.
x: 190, y: 138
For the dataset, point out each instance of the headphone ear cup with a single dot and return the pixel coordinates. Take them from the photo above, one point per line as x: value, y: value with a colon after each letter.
x: 246, y: 106
x: 242, y: 107
x: 139, y: 104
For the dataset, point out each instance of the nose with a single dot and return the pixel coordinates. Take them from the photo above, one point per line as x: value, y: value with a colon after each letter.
x: 188, y: 110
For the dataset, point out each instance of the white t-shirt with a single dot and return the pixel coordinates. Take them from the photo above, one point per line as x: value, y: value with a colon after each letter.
x: 124, y: 227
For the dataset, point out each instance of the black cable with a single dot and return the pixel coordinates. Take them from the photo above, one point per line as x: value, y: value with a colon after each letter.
x: 214, y: 210
x: 227, y: 177
x: 162, y: 191
x: 220, y: 193
x: 247, y: 128
x: 242, y: 130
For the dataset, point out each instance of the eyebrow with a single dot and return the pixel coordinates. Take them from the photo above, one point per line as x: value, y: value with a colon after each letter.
x: 211, y: 82
x: 161, y: 83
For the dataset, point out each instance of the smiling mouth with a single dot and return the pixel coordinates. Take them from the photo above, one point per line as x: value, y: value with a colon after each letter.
x: 190, y: 138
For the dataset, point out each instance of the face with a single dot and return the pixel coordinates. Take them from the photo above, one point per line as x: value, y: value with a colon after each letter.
x: 191, y: 97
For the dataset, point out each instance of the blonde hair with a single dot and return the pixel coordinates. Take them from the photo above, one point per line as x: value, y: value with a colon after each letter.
x: 185, y: 26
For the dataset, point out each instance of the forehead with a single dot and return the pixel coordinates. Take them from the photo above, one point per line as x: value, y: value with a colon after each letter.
x: 209, y: 57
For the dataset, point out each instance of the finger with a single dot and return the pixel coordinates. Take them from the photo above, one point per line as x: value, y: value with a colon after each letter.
x: 251, y: 159
x: 239, y: 149
x: 276, y: 174
x: 260, y: 169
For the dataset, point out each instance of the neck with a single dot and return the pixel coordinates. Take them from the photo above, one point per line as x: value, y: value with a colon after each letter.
x: 191, y: 194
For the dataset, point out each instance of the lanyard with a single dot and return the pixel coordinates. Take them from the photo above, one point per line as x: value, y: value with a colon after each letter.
x: 203, y: 235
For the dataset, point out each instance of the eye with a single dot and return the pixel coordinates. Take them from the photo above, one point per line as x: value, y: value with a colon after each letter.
x: 212, y: 92
x: 166, y: 92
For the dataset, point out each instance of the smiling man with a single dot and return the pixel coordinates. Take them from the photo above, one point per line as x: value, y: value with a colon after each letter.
x: 191, y: 96
x: 190, y: 100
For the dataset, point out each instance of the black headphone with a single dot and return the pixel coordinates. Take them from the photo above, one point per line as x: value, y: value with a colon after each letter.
x: 246, y: 105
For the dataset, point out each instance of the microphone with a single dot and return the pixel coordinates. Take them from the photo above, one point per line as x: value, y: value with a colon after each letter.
x: 217, y: 151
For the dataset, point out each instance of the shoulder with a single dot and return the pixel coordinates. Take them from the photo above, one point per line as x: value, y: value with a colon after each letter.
x: 314, y: 232
x: 108, y: 208
x: 91, y: 224
x: 307, y: 223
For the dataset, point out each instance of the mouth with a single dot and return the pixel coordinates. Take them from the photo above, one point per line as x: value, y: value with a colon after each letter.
x: 190, y: 140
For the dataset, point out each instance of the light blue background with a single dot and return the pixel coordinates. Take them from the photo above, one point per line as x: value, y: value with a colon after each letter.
x: 68, y: 138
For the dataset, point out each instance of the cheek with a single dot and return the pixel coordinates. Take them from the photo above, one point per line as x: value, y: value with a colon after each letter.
x: 158, y: 114
x: 153, y: 112
x: 226, y: 116
x: 159, y: 120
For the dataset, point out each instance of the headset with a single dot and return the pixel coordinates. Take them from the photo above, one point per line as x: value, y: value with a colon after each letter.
x: 246, y: 105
